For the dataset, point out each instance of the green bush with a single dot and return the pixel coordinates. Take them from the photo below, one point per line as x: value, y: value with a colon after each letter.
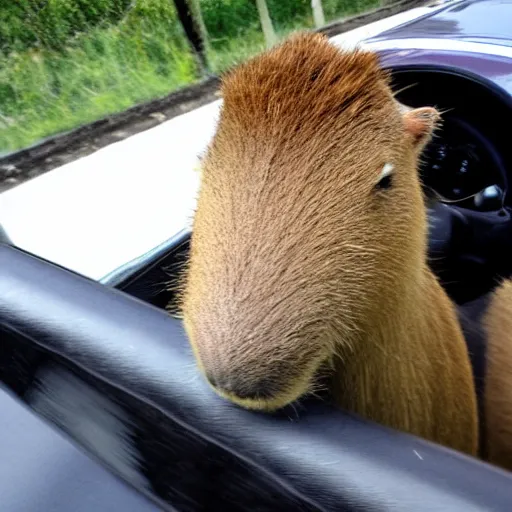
x: 44, y: 92
x: 51, y: 23
x: 14, y: 35
x: 64, y: 63
x: 228, y: 19
x: 334, y: 9
x: 289, y: 11
x: 225, y: 19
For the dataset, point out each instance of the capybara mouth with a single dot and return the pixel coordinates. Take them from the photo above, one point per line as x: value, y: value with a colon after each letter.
x: 262, y: 396
x: 266, y: 398
x: 270, y: 404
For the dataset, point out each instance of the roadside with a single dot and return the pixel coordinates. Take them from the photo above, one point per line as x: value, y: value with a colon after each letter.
x: 54, y: 152
x: 85, y: 140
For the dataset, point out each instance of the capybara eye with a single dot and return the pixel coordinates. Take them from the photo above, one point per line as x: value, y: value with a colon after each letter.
x: 386, y: 177
x: 385, y: 182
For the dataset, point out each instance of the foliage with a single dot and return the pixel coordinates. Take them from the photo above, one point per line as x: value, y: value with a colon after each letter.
x: 64, y: 63
x: 51, y: 23
x: 45, y: 92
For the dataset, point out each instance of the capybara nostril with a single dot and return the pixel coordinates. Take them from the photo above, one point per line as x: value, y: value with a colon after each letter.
x: 243, y: 387
x: 211, y: 379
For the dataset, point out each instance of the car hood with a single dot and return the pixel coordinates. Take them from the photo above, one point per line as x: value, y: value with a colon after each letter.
x: 480, y: 21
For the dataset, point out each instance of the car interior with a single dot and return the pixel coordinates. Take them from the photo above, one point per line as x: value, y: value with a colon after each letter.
x: 107, y: 366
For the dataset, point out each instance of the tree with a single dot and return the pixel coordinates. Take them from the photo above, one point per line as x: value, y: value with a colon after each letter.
x: 266, y: 23
x: 318, y: 13
x: 191, y: 19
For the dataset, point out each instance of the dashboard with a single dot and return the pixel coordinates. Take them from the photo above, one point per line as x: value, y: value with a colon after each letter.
x: 466, y: 162
x: 462, y: 166
x: 465, y: 174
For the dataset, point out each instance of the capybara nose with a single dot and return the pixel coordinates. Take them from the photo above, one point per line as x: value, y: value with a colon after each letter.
x: 243, y: 387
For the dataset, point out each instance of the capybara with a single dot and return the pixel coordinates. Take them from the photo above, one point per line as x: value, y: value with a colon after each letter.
x: 309, y: 249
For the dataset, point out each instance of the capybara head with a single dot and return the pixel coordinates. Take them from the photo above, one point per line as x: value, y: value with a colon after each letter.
x: 310, y: 223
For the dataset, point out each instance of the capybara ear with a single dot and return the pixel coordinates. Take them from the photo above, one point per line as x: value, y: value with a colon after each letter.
x: 420, y: 123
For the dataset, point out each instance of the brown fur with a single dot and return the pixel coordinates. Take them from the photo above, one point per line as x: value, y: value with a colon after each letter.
x: 297, y: 260
x: 498, y: 384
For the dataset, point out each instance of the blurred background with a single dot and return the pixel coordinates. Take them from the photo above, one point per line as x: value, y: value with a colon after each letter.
x: 66, y: 63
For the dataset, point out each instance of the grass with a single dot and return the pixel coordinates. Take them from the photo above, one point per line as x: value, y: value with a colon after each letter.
x: 107, y: 70
x: 45, y: 92
x: 232, y: 51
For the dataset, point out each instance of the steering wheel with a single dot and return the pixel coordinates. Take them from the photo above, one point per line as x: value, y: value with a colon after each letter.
x: 466, y: 184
